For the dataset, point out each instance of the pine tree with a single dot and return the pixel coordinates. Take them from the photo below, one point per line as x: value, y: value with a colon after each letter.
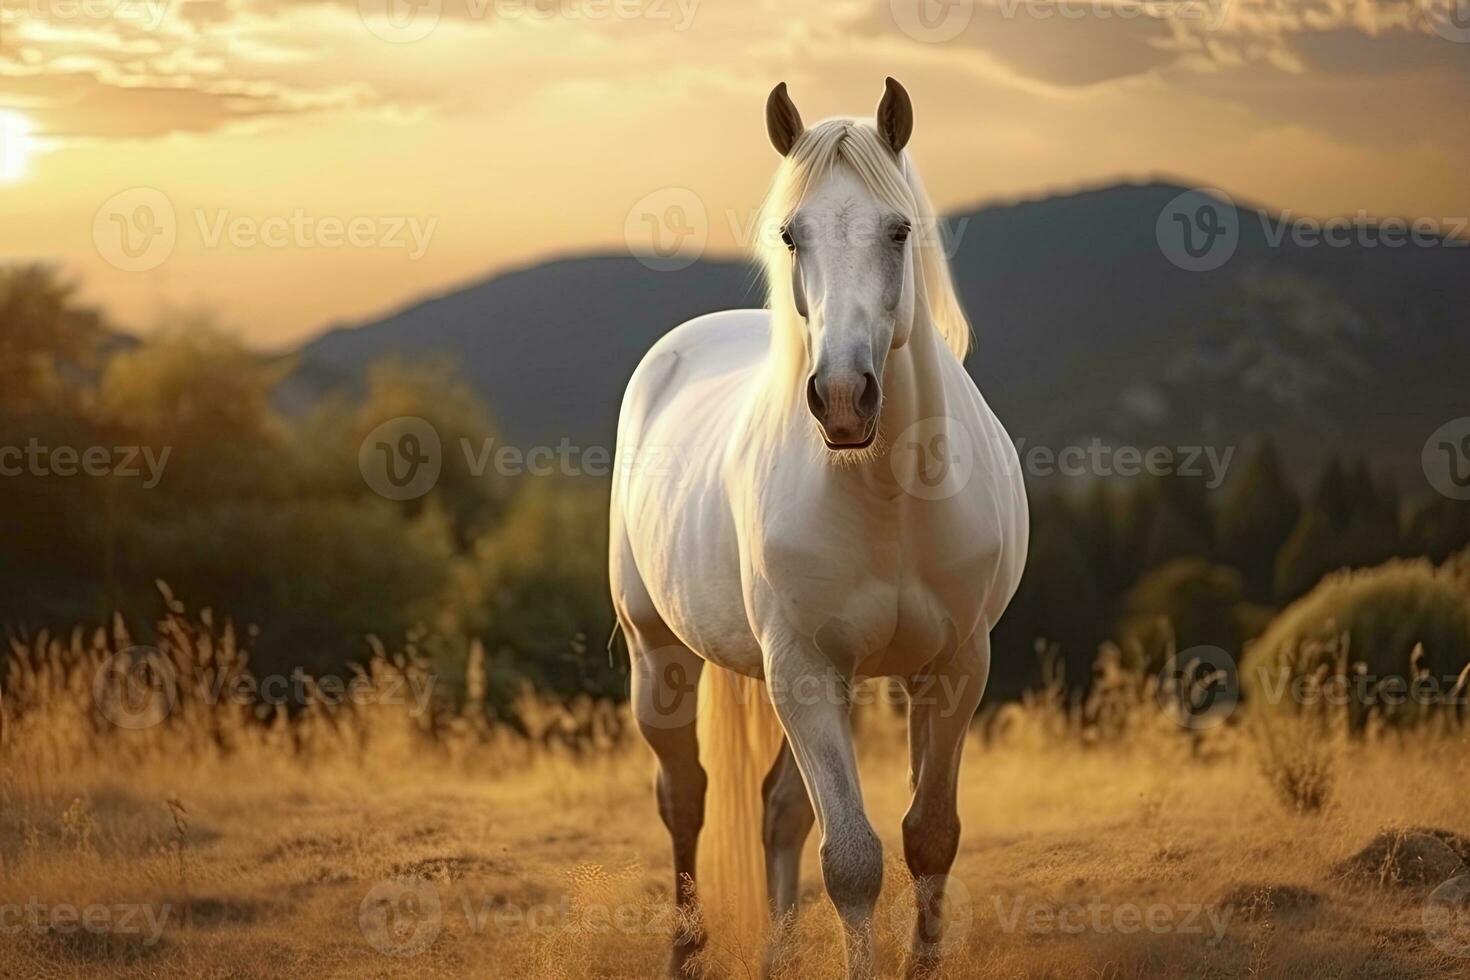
x: 1256, y: 517
x: 1307, y: 554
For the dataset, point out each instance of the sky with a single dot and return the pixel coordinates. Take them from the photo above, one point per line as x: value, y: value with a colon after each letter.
x: 287, y: 165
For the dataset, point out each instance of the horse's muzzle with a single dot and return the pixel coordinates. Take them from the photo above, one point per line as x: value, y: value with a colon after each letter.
x: 846, y: 407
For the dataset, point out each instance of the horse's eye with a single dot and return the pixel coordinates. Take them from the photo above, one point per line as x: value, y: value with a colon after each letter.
x: 901, y: 234
x: 788, y: 240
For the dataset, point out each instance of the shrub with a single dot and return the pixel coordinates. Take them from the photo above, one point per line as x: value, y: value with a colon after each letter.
x: 1185, y: 603
x: 1298, y: 759
x: 1391, y: 641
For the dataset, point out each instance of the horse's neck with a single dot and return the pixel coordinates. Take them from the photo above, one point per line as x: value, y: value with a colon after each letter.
x: 914, y: 380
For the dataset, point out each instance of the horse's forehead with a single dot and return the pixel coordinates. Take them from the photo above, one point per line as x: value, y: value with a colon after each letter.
x: 840, y: 196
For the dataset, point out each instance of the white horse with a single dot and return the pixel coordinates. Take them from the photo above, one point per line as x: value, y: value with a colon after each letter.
x: 845, y: 505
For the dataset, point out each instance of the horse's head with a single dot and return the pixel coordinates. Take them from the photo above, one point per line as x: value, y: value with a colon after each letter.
x: 847, y: 215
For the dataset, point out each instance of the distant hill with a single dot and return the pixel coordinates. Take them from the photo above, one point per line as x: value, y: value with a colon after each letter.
x: 1085, y: 329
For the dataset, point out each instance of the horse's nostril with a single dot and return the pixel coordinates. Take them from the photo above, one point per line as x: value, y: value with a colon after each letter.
x: 814, y: 398
x: 868, y: 398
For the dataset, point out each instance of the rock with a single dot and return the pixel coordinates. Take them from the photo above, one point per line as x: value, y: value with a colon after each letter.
x: 1458, y: 843
x: 1414, y: 858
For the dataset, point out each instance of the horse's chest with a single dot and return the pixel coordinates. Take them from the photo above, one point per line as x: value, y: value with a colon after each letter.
x: 898, y: 593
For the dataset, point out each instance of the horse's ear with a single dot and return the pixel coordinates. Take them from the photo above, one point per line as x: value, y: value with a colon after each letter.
x: 895, y: 115
x: 783, y: 122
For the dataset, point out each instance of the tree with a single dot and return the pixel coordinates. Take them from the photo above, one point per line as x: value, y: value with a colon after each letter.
x: 1349, y: 522
x: 469, y: 489
x: 1058, y: 601
x: 545, y: 614
x: 1256, y: 517
x: 200, y: 394
x: 48, y: 342
x: 1181, y: 524
x: 1307, y: 554
x: 44, y: 332
x: 1097, y: 519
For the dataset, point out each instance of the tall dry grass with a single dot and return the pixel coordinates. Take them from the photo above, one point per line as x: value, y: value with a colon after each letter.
x: 265, y: 828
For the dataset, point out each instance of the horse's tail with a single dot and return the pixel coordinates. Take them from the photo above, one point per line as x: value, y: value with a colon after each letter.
x: 739, y: 738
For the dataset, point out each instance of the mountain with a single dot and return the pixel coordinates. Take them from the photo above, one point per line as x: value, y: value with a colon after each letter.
x: 550, y: 347
x: 1086, y: 329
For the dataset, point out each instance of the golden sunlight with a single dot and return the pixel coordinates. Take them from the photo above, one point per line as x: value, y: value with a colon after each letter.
x: 424, y: 421
x: 15, y: 145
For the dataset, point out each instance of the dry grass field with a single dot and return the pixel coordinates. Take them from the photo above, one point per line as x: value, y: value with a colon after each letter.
x: 370, y: 842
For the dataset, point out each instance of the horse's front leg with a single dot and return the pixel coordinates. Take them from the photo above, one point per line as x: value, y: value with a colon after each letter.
x: 942, y: 702
x: 812, y: 697
x: 665, y: 681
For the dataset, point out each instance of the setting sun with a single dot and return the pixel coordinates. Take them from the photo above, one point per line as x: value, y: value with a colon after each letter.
x: 15, y: 145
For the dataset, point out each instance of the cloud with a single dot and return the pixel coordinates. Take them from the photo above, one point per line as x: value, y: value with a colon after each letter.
x: 1366, y: 72
x: 1054, y: 42
x: 1079, y: 43
x: 1348, y: 52
x: 193, y: 65
x: 1071, y: 46
x: 106, y: 69
x: 77, y: 105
